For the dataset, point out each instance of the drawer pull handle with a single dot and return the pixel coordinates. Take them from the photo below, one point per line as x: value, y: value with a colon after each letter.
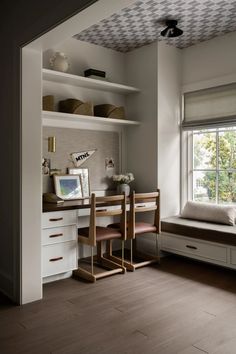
x: 101, y: 210
x: 56, y: 235
x: 140, y: 206
x: 192, y: 247
x: 57, y: 219
x: 55, y: 259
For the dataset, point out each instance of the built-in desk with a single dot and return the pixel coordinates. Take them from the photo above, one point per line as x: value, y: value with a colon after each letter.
x: 60, y: 251
x: 59, y: 235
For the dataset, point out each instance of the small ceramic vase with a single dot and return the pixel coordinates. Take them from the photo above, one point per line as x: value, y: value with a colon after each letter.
x: 123, y: 187
x: 59, y: 62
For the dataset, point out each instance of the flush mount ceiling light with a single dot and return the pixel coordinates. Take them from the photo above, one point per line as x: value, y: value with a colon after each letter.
x: 171, y: 30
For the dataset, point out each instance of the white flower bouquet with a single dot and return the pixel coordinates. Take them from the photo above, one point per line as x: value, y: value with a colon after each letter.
x: 123, y: 179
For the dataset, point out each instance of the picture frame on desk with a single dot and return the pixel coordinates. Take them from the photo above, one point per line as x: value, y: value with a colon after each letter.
x: 84, y: 174
x: 68, y: 187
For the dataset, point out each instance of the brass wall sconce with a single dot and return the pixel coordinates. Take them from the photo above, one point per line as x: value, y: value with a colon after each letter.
x: 51, y: 144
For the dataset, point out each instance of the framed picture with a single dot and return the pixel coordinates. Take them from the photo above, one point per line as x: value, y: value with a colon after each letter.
x: 45, y: 166
x: 84, y: 173
x: 68, y: 187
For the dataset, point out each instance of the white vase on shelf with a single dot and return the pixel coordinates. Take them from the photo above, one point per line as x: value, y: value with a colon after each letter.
x: 59, y: 62
x: 123, y: 187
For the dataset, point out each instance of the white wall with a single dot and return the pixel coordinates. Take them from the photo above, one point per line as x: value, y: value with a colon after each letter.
x: 169, y: 87
x: 31, y: 176
x: 141, y: 71
x: 153, y: 149
x: 83, y: 55
x: 210, y: 59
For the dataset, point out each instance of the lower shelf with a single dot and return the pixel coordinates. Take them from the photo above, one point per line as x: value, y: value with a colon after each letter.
x: 61, y: 119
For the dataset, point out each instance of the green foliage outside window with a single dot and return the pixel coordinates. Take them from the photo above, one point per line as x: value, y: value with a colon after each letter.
x: 215, y: 157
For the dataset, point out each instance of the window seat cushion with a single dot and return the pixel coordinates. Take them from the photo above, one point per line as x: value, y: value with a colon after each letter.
x: 202, y: 230
x: 220, y: 214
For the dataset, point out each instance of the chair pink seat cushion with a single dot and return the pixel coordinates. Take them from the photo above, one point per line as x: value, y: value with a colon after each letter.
x: 144, y: 227
x: 140, y: 227
x: 102, y: 233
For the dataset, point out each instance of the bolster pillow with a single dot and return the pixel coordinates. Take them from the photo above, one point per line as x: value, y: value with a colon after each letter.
x: 220, y: 214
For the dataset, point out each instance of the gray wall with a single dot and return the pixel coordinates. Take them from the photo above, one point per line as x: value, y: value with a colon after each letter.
x: 75, y: 140
x: 21, y: 22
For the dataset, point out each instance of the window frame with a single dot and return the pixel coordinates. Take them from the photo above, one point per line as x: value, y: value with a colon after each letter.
x: 190, y: 158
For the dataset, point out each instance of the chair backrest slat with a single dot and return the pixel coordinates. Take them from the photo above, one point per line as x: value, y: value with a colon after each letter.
x: 141, y: 209
x: 108, y: 212
x: 119, y: 201
x: 144, y: 196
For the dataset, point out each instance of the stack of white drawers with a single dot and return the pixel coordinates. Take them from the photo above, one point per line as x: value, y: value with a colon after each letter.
x: 59, y: 242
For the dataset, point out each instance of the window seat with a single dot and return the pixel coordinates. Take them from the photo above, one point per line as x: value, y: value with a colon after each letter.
x: 205, y: 241
x: 207, y: 231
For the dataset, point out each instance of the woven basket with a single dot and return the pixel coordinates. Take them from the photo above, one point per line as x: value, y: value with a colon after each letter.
x: 109, y: 111
x: 48, y: 103
x: 74, y: 106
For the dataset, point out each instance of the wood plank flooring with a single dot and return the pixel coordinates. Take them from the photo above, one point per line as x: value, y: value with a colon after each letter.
x: 182, y: 307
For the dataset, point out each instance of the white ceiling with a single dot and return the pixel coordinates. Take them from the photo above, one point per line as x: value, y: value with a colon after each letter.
x: 141, y: 23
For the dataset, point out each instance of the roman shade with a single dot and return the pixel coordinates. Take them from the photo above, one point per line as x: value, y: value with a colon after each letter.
x: 211, y: 107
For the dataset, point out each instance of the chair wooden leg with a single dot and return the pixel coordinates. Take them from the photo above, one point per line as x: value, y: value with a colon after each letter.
x: 92, y: 268
x: 146, y: 258
x: 115, y: 259
x: 84, y: 274
x: 109, y: 247
x: 157, y: 249
x: 122, y: 252
x: 99, y: 250
x: 131, y: 251
x: 118, y: 261
x: 105, y: 262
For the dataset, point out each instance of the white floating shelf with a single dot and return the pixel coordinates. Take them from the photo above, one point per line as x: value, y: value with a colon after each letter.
x: 72, y: 120
x: 69, y: 79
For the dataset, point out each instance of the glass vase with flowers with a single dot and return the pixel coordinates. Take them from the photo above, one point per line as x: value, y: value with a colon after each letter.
x: 123, y: 181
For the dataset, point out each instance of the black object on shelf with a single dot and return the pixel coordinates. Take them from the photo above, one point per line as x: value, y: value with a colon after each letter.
x: 90, y: 72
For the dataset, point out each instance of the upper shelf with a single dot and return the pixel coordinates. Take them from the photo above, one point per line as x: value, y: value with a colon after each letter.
x: 75, y: 80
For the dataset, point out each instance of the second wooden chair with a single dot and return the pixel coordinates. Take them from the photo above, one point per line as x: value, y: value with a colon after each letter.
x: 140, y: 203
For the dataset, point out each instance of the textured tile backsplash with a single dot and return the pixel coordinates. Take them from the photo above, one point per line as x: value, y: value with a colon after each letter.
x: 75, y: 140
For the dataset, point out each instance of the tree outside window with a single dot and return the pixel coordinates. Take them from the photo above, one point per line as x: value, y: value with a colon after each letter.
x: 214, y: 166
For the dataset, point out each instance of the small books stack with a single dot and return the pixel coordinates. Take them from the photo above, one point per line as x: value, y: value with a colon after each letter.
x: 52, y: 198
x: 95, y: 74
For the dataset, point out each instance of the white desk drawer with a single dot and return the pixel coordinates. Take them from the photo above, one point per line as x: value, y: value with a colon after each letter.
x: 59, y: 234
x: 194, y: 247
x: 59, y: 218
x: 86, y: 211
x: 59, y: 258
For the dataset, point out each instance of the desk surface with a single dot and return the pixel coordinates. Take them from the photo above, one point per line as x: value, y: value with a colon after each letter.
x: 76, y: 204
x: 73, y: 204
x: 67, y: 205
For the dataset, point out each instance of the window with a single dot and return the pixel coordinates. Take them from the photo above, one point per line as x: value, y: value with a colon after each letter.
x: 212, y: 173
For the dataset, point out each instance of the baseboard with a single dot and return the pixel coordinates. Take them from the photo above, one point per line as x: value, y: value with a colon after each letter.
x: 56, y: 277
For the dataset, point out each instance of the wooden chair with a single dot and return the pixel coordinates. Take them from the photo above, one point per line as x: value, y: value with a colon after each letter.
x: 94, y: 236
x: 136, y: 228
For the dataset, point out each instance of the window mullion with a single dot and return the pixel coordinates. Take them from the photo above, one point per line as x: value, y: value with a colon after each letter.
x: 217, y: 167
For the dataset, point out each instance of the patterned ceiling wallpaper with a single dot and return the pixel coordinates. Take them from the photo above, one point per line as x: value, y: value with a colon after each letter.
x: 142, y: 22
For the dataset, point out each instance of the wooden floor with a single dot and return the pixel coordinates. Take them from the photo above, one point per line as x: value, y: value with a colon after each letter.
x: 180, y: 307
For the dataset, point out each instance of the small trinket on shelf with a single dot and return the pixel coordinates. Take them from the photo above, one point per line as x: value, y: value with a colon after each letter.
x: 59, y: 62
